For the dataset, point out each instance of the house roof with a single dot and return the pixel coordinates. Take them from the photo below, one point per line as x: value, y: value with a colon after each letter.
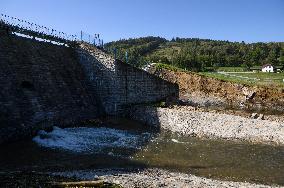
x: 260, y: 67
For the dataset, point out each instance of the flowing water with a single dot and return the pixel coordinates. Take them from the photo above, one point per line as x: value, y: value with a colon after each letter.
x: 101, y: 147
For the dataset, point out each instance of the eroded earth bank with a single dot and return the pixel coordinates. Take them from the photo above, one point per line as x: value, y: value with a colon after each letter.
x: 199, y: 90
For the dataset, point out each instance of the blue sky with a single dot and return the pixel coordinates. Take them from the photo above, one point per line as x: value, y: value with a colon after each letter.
x: 233, y: 20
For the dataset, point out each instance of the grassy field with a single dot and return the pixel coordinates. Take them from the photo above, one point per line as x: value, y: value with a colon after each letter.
x: 267, y: 79
x: 249, y: 78
x: 227, y: 69
x: 169, y: 67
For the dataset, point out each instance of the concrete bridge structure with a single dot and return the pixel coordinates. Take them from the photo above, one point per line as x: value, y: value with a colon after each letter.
x: 44, y: 84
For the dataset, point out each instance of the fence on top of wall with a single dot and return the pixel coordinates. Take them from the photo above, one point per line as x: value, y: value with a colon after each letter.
x: 24, y: 27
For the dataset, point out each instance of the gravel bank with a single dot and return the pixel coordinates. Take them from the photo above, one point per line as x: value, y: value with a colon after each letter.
x: 154, y: 178
x: 26, y: 179
x: 188, y: 121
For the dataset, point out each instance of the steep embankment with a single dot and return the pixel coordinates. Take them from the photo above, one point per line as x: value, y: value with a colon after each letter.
x: 42, y: 84
x: 210, y: 91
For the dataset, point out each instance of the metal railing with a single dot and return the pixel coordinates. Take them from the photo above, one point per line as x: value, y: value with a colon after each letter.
x: 31, y: 29
x: 91, y: 39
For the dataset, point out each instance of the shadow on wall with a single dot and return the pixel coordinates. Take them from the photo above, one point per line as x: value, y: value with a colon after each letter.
x: 138, y: 113
x: 42, y: 85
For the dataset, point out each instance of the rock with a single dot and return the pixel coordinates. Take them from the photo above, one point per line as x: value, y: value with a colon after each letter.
x: 110, y: 153
x: 261, y: 117
x: 183, y: 102
x: 155, y: 178
x: 249, y: 94
x: 211, y: 125
x: 254, y: 116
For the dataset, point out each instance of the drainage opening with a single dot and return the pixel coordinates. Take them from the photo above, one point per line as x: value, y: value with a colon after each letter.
x: 27, y: 85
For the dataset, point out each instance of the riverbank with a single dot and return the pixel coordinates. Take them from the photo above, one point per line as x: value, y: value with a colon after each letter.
x: 207, y: 91
x: 36, y: 179
x: 154, y: 178
x: 117, y: 178
x: 189, y: 121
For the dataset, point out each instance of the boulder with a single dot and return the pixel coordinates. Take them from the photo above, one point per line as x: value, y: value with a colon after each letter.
x: 261, y: 117
x: 249, y: 94
x: 254, y: 116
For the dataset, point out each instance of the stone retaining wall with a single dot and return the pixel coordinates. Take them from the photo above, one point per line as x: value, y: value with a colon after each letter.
x: 42, y: 85
x: 119, y: 85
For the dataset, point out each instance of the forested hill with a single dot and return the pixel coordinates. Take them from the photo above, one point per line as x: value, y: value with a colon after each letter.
x: 196, y: 54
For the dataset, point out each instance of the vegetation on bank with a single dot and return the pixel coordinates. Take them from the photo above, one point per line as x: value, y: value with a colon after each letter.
x: 227, y: 69
x: 247, y: 78
x: 262, y: 79
x: 208, y: 57
x: 197, y: 54
x: 169, y: 67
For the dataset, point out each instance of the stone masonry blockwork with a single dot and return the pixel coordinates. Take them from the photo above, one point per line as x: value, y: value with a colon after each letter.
x: 45, y: 85
x: 42, y: 85
x: 120, y: 85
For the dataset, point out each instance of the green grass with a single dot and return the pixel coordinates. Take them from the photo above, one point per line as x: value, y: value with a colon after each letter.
x: 262, y: 75
x: 266, y: 79
x: 169, y: 67
x: 166, y: 50
x: 231, y: 69
x: 247, y: 78
x: 225, y: 78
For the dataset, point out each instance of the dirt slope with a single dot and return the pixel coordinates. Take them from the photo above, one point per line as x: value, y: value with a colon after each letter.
x: 198, y: 88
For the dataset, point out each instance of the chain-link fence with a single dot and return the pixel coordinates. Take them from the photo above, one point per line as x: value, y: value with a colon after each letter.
x: 22, y: 25
x: 32, y: 29
x: 91, y: 39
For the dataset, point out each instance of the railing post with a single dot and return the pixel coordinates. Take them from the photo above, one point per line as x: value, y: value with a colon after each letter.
x: 46, y: 33
x: 126, y: 57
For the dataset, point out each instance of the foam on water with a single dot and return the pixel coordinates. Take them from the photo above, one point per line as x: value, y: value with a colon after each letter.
x: 91, y: 140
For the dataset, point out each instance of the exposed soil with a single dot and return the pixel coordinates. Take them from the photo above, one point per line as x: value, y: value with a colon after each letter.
x: 197, y: 88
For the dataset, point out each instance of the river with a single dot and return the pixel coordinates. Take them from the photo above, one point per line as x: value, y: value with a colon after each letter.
x: 82, y: 148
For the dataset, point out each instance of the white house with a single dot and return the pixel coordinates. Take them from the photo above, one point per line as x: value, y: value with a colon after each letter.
x: 267, y: 68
